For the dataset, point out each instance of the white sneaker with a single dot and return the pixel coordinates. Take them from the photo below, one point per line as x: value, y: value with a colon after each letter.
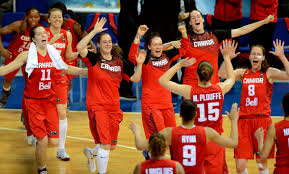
x: 62, y: 155
x: 90, y: 159
x: 29, y: 139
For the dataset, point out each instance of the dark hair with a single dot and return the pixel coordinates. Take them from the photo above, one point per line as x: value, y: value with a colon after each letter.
x: 157, y: 145
x: 265, y: 65
x: 54, y: 9
x: 285, y: 104
x: 205, y: 71
x: 61, y: 6
x: 32, y: 32
x: 188, y: 110
x: 187, y: 21
x: 148, y: 40
x: 28, y: 10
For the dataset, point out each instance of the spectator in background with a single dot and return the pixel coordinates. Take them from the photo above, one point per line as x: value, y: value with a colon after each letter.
x: 228, y: 15
x: 264, y: 35
x: 283, y: 8
x: 127, y: 27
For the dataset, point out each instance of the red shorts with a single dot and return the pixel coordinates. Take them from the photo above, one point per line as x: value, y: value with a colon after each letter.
x: 104, y: 125
x: 61, y: 92
x: 248, y: 144
x: 26, y: 119
x: 43, y: 117
x: 154, y: 120
x: 281, y: 170
x: 215, y: 161
x: 12, y: 74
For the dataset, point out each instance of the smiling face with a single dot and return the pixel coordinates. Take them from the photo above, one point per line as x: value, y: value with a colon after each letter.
x: 197, y: 22
x: 156, y: 46
x: 105, y: 44
x: 256, y: 57
x: 33, y: 17
x: 40, y: 37
x: 55, y: 18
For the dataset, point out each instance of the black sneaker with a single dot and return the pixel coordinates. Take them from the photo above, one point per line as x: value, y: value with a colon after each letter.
x: 42, y: 171
x: 4, y: 98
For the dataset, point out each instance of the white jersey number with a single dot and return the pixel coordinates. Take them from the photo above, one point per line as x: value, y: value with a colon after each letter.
x: 251, y: 90
x: 45, y: 74
x: 213, y: 113
x: 189, y: 155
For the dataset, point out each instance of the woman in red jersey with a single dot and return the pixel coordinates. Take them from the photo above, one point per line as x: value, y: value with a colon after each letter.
x: 188, y: 142
x: 205, y: 45
x: 277, y: 133
x: 209, y: 98
x: 158, y: 162
x: 20, y: 42
x: 255, y: 111
x: 102, y: 99
x: 157, y: 108
x: 63, y: 45
x: 39, y: 91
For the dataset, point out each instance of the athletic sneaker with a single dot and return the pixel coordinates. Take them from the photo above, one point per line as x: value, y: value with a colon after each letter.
x: 90, y: 159
x: 62, y: 155
x: 4, y: 98
x: 146, y: 154
x: 42, y: 171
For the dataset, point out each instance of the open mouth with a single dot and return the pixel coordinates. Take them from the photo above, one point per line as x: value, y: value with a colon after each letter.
x: 197, y: 23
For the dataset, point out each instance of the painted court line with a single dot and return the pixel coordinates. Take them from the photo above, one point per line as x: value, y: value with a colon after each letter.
x: 77, y: 138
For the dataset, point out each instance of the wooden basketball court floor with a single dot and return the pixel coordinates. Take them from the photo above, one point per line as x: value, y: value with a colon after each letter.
x: 17, y: 157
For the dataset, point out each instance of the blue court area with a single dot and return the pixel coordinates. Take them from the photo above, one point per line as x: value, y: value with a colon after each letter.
x: 78, y: 96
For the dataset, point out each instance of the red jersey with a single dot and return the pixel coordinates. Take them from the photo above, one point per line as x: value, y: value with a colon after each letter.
x: 40, y: 84
x: 209, y: 102
x: 69, y: 27
x: 202, y: 47
x: 103, y: 82
x: 282, y: 142
x: 60, y: 44
x: 228, y: 10
x: 256, y: 94
x: 153, y: 93
x: 19, y: 43
x: 260, y: 9
x: 189, y: 147
x: 163, y: 166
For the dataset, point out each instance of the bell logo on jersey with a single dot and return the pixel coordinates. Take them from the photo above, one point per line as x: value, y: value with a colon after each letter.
x: 160, y: 62
x: 43, y: 86
x: 204, y: 43
x: 165, y: 170
x: 110, y: 68
x: 252, y: 102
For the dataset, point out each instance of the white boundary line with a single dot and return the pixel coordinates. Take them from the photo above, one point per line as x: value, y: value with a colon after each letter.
x: 77, y: 138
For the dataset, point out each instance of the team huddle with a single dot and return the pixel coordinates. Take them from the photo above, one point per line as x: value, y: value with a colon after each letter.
x: 48, y: 59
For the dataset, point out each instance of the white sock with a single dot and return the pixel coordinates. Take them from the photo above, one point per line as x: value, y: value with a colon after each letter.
x: 266, y: 171
x: 95, y: 149
x: 102, y: 160
x: 62, y: 133
x: 245, y: 172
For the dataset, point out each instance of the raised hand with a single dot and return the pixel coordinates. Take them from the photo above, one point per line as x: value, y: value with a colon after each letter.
x: 269, y: 19
x: 234, y: 113
x: 182, y: 29
x: 141, y: 57
x: 228, y: 48
x: 142, y: 29
x: 133, y: 126
x: 187, y: 62
x: 98, y: 27
x: 176, y: 44
x: 259, y: 134
x: 279, y: 48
